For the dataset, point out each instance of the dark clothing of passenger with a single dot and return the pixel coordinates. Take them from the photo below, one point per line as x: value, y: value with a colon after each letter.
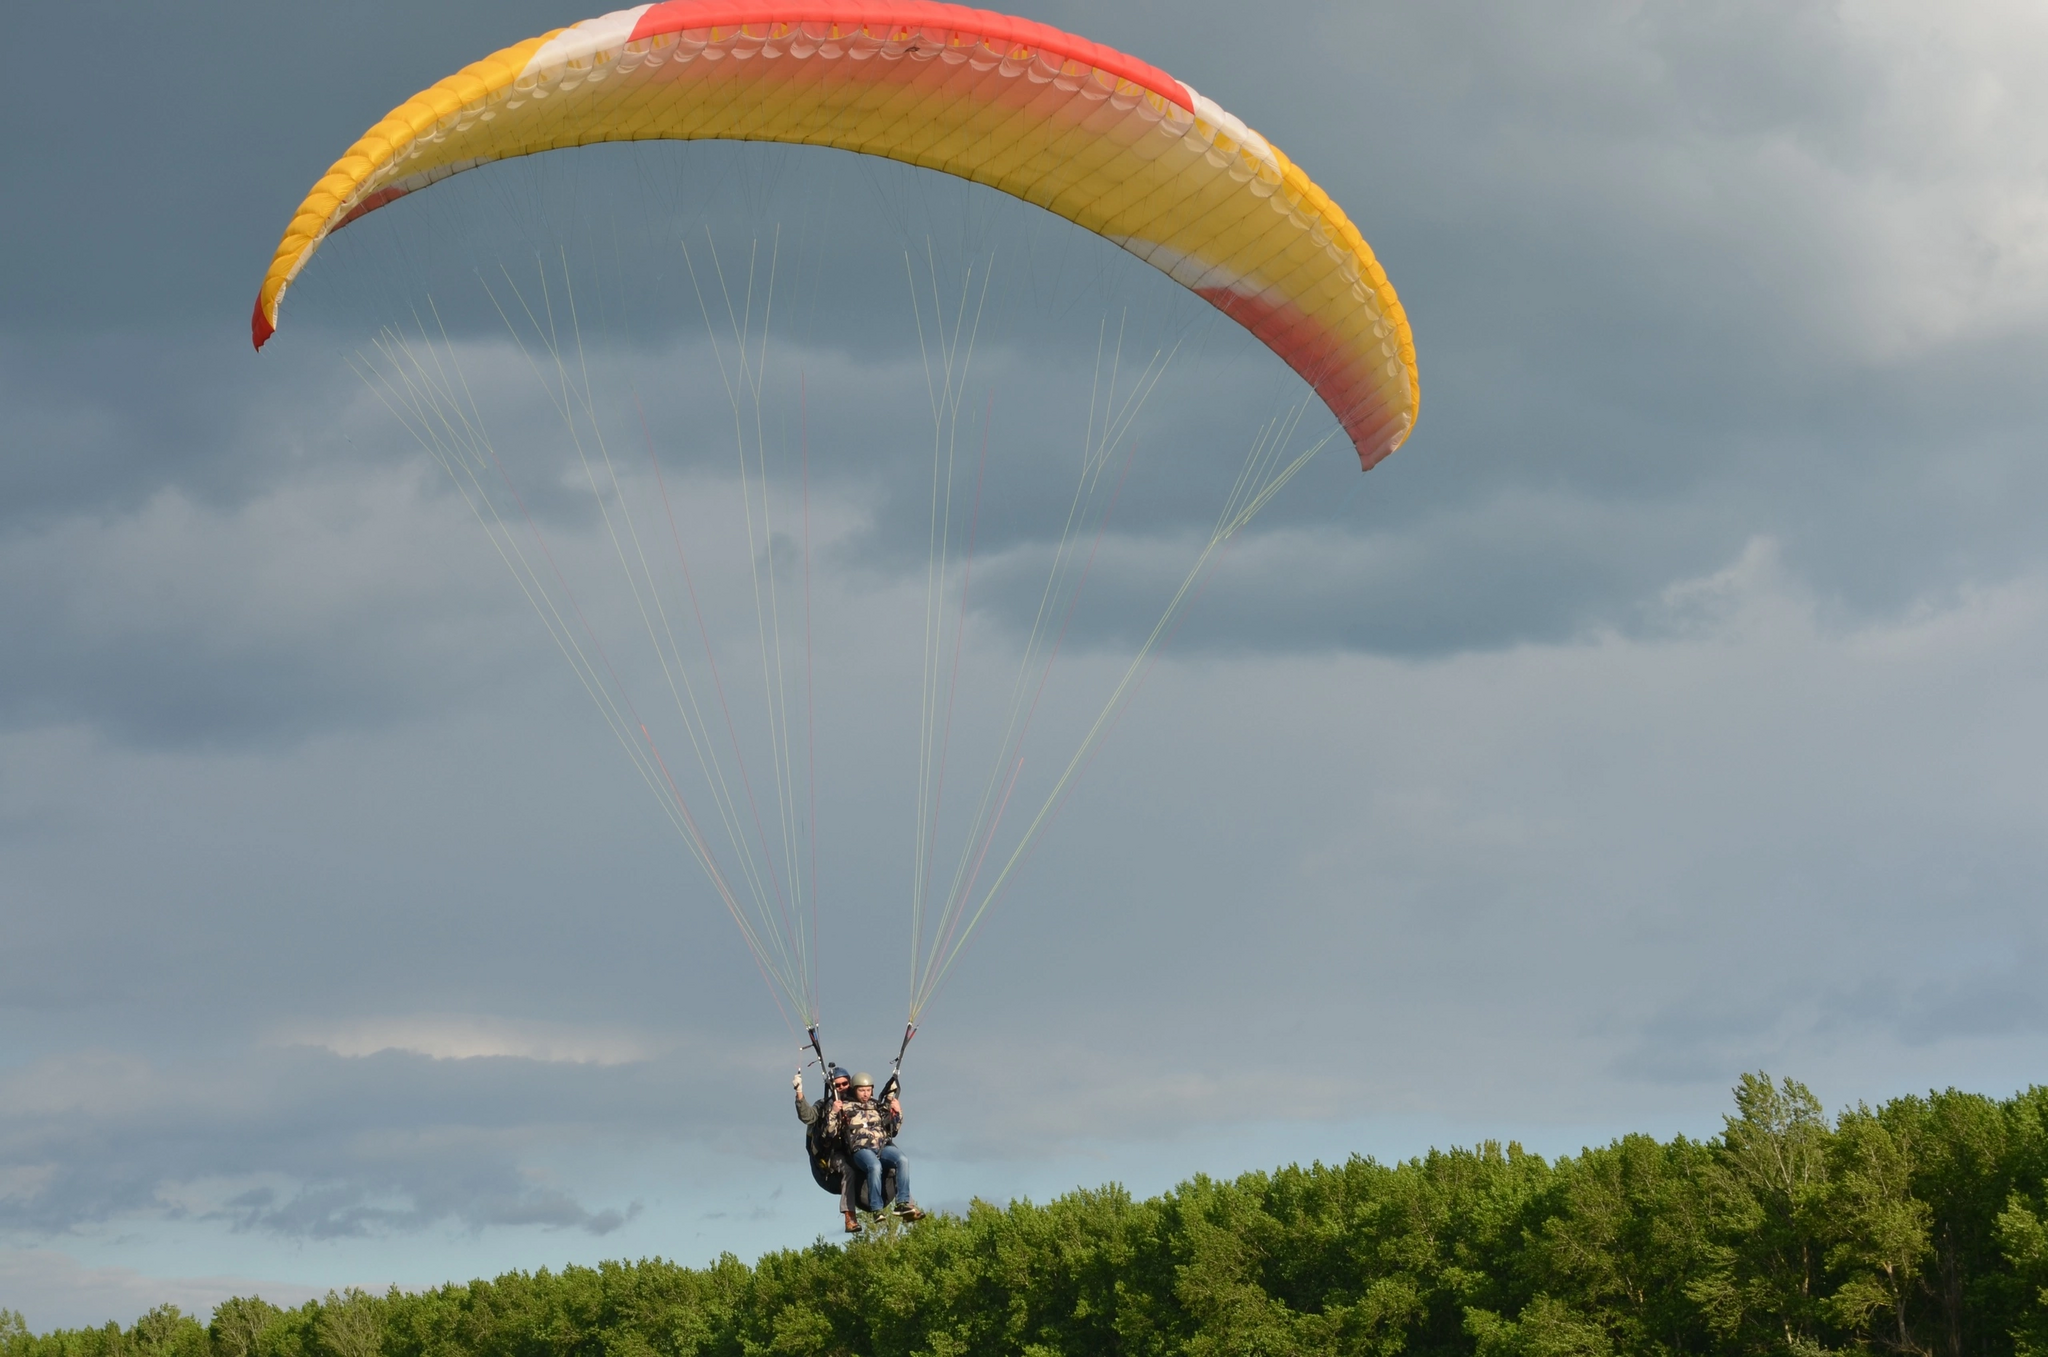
x: 808, y: 1114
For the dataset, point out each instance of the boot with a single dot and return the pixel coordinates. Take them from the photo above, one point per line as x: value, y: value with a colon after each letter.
x: 852, y: 1224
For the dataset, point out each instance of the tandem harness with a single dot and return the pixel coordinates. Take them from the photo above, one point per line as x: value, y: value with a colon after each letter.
x: 822, y: 1151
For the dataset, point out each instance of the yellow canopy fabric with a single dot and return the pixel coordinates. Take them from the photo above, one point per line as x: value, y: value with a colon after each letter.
x: 1095, y: 136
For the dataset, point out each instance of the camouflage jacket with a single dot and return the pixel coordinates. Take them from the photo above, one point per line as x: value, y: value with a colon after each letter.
x: 863, y: 1126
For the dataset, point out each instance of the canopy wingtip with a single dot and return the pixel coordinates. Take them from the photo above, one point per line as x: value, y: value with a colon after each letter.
x: 260, y: 327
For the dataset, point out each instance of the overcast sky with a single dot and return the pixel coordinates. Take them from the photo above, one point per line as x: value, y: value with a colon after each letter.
x: 1668, y: 707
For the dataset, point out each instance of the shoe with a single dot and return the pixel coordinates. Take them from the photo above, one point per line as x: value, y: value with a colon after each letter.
x: 852, y: 1224
x: 910, y: 1211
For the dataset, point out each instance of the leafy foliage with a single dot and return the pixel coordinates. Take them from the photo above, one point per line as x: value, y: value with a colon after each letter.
x: 1920, y: 1227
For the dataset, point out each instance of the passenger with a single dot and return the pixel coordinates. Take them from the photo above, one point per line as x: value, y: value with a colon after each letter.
x: 868, y: 1129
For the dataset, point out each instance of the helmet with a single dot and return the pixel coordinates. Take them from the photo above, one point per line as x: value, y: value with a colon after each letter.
x: 863, y: 1080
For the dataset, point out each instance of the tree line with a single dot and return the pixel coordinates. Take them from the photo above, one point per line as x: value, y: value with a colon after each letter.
x: 1920, y: 1226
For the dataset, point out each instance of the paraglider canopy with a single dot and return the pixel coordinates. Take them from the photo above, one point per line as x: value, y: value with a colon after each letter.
x: 1115, y: 145
x: 1094, y: 137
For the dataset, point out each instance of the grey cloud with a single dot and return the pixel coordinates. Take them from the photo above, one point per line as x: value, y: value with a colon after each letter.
x: 55, y: 1290
x: 1701, y: 1041
x: 1702, y: 1038
x: 329, y: 1146
x: 1453, y: 883
x: 1988, y: 999
x: 182, y: 623
x: 171, y: 146
x: 97, y: 424
x: 1524, y: 567
x: 451, y: 1186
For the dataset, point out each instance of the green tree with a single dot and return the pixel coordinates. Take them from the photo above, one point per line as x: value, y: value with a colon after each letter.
x: 1227, y: 1241
x: 1766, y: 1188
x: 1624, y: 1235
x: 2023, y: 1238
x: 1545, y: 1328
x: 2016, y: 1304
x: 238, y: 1323
x: 1878, y: 1231
x: 166, y: 1331
x: 350, y: 1324
x: 1961, y: 1157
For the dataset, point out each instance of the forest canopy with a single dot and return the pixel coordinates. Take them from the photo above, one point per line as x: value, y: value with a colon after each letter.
x: 1920, y: 1226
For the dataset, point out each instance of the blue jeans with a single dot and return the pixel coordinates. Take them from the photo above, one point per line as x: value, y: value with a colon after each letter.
x: 869, y: 1164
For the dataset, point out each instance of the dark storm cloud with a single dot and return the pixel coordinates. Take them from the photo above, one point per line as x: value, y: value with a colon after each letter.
x: 168, y: 145
x: 98, y: 423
